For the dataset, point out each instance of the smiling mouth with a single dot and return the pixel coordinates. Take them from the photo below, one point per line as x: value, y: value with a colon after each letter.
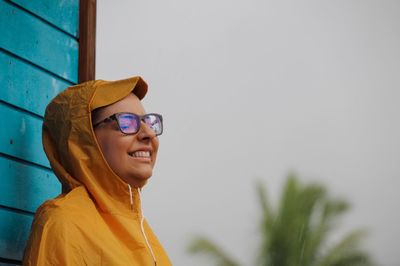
x: 140, y: 154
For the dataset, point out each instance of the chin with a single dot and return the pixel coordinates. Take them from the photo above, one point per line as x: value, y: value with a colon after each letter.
x: 138, y: 180
x: 138, y: 183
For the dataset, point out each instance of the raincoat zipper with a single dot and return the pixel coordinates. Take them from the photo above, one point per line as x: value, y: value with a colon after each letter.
x: 141, y: 224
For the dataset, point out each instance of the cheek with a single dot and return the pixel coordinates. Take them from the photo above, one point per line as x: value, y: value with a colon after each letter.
x: 155, y: 144
x: 111, y: 149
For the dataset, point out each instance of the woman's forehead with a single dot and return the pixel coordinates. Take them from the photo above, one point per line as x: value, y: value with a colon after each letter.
x: 130, y: 103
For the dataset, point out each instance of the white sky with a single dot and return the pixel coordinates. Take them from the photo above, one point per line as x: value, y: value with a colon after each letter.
x: 255, y: 89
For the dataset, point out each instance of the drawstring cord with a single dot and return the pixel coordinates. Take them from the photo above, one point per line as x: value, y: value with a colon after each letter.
x: 142, y: 222
x: 130, y: 196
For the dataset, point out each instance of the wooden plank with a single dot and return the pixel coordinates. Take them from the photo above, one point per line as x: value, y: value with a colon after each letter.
x: 14, y: 232
x: 37, y: 42
x: 87, y: 41
x: 21, y: 135
x: 34, y: 183
x: 27, y: 86
x: 8, y: 264
x: 62, y: 14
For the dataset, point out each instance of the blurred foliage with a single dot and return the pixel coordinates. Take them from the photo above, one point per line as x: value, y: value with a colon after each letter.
x: 295, y: 232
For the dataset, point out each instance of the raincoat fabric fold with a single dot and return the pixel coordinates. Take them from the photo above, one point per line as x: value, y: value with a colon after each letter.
x: 97, y: 220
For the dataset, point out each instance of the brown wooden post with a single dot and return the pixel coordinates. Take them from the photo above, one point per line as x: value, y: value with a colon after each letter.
x: 87, y: 40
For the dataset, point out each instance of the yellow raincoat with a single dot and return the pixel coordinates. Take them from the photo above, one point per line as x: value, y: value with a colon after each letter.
x: 97, y: 220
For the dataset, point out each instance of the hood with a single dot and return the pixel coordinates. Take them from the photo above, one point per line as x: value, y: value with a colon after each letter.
x: 71, y: 146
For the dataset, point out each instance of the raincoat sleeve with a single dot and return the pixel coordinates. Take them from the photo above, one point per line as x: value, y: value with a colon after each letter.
x: 56, y: 240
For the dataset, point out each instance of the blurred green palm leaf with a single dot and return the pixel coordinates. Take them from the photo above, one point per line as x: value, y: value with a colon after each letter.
x: 295, y: 232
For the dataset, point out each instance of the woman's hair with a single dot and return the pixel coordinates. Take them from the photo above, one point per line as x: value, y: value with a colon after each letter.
x: 95, y: 114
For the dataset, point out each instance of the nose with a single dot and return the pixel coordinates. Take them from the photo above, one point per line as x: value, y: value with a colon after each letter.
x: 145, y: 132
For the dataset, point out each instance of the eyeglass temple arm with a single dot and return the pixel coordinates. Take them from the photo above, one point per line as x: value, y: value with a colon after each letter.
x: 105, y: 120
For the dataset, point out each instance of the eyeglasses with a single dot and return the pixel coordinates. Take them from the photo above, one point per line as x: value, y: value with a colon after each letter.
x: 129, y: 123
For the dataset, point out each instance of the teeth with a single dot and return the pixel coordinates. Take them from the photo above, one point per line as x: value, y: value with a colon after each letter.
x: 144, y: 154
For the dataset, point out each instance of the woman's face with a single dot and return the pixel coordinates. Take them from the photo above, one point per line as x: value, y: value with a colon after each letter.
x: 131, y: 157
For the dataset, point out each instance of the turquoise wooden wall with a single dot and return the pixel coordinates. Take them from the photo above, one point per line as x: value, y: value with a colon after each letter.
x: 38, y: 59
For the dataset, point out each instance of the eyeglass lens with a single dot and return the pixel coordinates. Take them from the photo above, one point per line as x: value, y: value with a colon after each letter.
x: 154, y: 123
x: 130, y: 123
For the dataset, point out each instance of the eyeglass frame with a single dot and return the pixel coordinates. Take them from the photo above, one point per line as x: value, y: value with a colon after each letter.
x: 114, y: 117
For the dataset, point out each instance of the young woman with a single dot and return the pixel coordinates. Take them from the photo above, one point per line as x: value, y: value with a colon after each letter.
x: 102, y: 146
